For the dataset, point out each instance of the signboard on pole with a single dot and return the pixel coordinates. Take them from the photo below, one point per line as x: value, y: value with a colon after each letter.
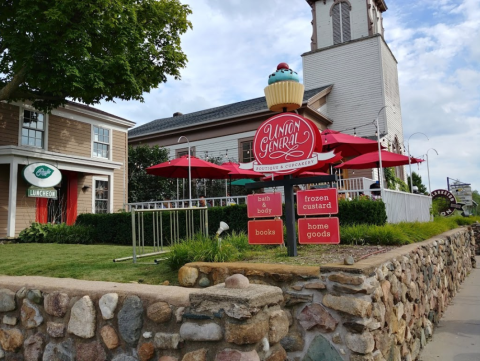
x: 463, y: 193
x: 451, y: 202
x: 267, y: 231
x: 317, y: 201
x: 264, y: 205
x: 42, y: 175
x: 319, y: 230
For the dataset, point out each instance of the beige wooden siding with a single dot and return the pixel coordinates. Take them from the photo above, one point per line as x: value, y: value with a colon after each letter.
x: 4, y: 182
x: 69, y: 136
x: 26, y: 207
x: 120, y: 184
x: 84, y: 202
x: 9, y: 124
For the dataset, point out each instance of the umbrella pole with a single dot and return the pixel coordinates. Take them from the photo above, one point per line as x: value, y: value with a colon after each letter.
x: 230, y: 185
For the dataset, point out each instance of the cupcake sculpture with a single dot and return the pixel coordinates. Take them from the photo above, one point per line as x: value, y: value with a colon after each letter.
x: 284, y: 91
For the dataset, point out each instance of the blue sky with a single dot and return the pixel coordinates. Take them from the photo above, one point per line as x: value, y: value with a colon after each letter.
x: 236, y: 44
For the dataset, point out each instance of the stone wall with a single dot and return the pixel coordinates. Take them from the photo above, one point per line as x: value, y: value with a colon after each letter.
x: 381, y: 308
x: 64, y: 319
x: 476, y: 232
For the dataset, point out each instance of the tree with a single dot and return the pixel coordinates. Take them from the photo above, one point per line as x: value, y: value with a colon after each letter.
x: 88, y: 50
x: 417, y: 181
x: 143, y: 187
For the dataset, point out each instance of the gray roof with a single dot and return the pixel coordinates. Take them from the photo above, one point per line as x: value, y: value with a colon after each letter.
x: 209, y: 115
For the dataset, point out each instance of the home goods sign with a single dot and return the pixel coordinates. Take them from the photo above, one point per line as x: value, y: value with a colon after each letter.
x: 286, y: 143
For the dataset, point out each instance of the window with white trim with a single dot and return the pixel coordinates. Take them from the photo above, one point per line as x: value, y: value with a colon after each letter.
x: 101, y: 142
x: 246, y: 149
x: 33, y: 129
x: 101, y: 196
x: 341, y: 22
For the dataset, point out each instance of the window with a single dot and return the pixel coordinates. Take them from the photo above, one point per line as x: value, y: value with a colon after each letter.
x: 184, y: 151
x: 101, y: 196
x: 33, y: 129
x: 246, y: 151
x: 101, y: 142
x: 341, y: 22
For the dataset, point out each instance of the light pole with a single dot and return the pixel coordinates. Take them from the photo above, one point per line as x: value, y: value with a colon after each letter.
x: 189, y: 172
x: 410, y: 160
x: 428, y: 171
x: 380, y: 149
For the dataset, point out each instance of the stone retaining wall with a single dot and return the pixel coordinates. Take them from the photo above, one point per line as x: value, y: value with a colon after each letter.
x: 381, y: 308
x: 476, y: 232
x: 64, y: 319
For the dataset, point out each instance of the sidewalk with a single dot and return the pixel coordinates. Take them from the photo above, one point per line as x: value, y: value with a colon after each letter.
x: 457, y: 337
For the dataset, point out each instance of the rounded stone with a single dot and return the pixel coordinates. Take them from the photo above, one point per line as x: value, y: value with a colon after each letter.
x: 198, y: 355
x: 90, y: 352
x: 35, y: 296
x: 360, y: 342
x: 167, y: 358
x: 278, y: 326
x: 30, y: 315
x: 204, y: 282
x: 190, y: 331
x: 55, y: 329
x: 130, y: 319
x: 247, y: 333
x: 7, y: 300
x: 187, y: 276
x: 146, y: 351
x: 82, y: 318
x: 108, y: 304
x: 56, y: 304
x: 159, y: 312
x: 237, y: 281
x: 235, y: 355
x: 11, y: 340
x: 59, y: 351
x: 109, y: 337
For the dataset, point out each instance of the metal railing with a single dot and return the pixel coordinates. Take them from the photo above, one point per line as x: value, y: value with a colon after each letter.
x: 183, y: 203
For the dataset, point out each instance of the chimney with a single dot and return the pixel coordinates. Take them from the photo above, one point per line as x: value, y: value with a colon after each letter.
x: 176, y: 114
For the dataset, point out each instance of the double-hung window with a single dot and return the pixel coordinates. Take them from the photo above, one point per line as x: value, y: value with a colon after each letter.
x: 101, y: 142
x: 33, y: 129
x: 246, y: 151
x: 101, y: 196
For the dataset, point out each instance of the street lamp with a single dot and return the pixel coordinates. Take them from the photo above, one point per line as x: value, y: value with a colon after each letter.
x: 380, y: 148
x: 409, y: 158
x: 189, y: 172
x: 428, y: 171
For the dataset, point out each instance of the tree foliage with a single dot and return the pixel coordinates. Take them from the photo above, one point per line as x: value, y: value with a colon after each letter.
x: 143, y: 187
x: 88, y: 50
x: 417, y: 181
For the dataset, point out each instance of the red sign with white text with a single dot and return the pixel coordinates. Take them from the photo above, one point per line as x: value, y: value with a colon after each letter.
x: 265, y: 231
x: 319, y: 230
x: 264, y: 205
x: 317, y: 201
x: 284, y: 143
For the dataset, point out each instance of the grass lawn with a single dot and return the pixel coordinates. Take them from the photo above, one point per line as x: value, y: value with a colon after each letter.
x: 87, y: 262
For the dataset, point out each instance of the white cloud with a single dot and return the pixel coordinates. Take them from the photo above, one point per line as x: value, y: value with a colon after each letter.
x: 236, y: 44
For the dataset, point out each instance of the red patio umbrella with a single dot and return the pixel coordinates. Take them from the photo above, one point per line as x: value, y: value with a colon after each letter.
x: 349, y: 145
x: 299, y: 175
x: 237, y: 173
x: 371, y: 160
x: 178, y: 168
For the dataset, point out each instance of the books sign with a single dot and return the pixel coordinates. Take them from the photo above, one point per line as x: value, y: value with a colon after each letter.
x: 264, y: 205
x: 268, y: 231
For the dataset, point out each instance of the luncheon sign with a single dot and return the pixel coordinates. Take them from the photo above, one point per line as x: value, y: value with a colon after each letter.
x: 43, y: 177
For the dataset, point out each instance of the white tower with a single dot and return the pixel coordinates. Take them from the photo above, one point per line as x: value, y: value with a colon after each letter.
x: 349, y: 51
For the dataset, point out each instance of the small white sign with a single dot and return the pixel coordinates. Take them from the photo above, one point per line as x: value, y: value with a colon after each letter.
x: 42, y: 175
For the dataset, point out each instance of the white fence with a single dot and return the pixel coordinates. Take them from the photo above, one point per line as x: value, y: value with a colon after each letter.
x: 406, y: 207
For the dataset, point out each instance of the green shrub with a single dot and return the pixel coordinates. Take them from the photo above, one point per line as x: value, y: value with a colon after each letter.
x: 207, y: 249
x: 117, y: 227
x: 57, y: 233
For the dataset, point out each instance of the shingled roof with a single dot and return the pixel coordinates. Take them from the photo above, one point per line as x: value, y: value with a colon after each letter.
x: 210, y: 115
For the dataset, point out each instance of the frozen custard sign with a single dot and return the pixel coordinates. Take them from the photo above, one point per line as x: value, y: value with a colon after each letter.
x: 42, y: 175
x: 285, y: 143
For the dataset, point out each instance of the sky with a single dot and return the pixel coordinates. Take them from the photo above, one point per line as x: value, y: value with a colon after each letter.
x: 236, y: 44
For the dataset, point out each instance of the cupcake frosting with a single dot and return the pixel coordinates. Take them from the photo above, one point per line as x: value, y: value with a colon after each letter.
x: 283, y: 73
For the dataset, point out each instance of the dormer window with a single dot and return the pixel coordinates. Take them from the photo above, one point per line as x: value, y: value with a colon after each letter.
x: 340, y: 13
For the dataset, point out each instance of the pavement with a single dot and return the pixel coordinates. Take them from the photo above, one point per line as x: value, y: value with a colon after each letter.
x: 457, y: 336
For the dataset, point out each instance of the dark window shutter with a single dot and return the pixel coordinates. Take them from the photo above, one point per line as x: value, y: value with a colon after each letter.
x: 346, y: 22
x: 337, y: 35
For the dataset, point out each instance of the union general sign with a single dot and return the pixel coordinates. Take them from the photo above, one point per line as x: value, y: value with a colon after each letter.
x: 42, y: 175
x: 285, y: 143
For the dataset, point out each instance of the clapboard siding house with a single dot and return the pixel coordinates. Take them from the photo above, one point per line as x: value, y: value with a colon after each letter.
x: 87, y: 145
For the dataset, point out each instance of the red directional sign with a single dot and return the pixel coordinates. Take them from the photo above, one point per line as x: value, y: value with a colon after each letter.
x: 264, y: 205
x: 317, y: 201
x: 319, y: 230
x: 265, y: 231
